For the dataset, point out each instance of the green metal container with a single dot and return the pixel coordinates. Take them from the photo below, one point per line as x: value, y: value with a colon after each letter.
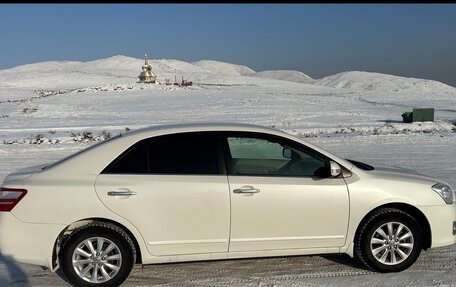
x: 423, y: 115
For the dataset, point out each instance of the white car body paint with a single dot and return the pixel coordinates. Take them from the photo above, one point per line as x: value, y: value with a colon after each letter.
x: 213, y: 222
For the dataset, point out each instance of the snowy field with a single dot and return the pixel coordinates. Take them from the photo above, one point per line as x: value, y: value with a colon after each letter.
x: 49, y: 110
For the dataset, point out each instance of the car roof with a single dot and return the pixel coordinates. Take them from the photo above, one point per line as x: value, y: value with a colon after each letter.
x: 125, y: 140
x: 203, y: 126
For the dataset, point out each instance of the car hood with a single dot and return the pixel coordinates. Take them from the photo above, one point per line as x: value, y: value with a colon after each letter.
x: 396, y: 169
x: 401, y: 173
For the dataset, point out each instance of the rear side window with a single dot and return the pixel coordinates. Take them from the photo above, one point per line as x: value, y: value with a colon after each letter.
x: 132, y: 161
x: 189, y: 153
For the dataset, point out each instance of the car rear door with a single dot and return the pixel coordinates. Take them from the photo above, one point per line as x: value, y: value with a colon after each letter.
x: 174, y: 189
x: 282, y: 196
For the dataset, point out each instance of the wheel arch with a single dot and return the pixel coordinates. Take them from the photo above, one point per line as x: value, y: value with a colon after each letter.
x: 75, y: 225
x: 417, y: 214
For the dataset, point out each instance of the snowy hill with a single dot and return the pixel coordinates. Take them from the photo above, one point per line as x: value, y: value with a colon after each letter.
x: 42, y: 66
x: 223, y: 68
x: 123, y: 70
x: 118, y: 62
x: 357, y: 80
x: 71, y: 75
x: 285, y: 75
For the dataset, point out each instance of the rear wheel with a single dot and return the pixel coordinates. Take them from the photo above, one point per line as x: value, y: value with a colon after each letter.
x: 390, y: 240
x: 98, y: 254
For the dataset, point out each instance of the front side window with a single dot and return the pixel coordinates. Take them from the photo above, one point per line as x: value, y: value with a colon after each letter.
x: 189, y: 153
x: 262, y: 156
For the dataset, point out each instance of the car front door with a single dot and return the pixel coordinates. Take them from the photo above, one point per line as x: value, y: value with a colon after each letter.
x: 174, y: 189
x: 282, y: 196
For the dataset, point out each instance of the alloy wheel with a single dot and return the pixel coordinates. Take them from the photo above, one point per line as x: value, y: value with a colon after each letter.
x: 96, y: 259
x: 392, y: 243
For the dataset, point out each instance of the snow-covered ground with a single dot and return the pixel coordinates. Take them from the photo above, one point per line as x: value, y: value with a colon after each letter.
x: 51, y: 109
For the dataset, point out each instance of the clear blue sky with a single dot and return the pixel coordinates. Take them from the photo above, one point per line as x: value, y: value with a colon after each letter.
x: 409, y: 40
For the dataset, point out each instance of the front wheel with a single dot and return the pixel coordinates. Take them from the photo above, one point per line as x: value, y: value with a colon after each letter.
x: 390, y: 240
x: 99, y: 254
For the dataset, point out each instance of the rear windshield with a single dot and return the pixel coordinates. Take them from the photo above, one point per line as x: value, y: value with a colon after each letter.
x: 361, y: 165
x: 79, y: 152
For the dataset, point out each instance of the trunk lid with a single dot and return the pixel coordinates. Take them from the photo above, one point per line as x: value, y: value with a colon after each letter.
x: 23, y: 173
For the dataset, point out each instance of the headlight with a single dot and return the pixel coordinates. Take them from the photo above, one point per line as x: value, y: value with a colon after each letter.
x: 444, y: 191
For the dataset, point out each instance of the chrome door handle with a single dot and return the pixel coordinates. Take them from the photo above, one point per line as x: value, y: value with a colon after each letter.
x: 121, y: 193
x: 246, y: 190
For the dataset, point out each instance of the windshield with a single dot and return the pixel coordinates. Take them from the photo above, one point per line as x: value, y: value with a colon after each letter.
x: 79, y: 152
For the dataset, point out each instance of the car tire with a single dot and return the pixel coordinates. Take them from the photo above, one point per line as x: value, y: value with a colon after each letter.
x: 389, y: 240
x: 99, y: 246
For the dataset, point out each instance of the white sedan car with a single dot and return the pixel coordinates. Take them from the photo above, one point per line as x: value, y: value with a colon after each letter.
x: 215, y: 191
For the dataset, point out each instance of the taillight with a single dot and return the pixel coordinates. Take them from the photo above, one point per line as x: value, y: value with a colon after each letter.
x: 9, y: 197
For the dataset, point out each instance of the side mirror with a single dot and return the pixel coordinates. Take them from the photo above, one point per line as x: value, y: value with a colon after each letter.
x: 335, y: 169
x: 286, y: 153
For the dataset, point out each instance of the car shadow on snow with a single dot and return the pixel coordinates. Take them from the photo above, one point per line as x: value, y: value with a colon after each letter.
x: 250, y: 269
x: 14, y: 275
x: 390, y: 121
x: 202, y: 271
x: 346, y: 260
x: 62, y: 276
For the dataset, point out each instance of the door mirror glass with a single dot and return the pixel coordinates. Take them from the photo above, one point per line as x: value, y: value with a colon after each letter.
x: 286, y: 152
x: 335, y: 169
